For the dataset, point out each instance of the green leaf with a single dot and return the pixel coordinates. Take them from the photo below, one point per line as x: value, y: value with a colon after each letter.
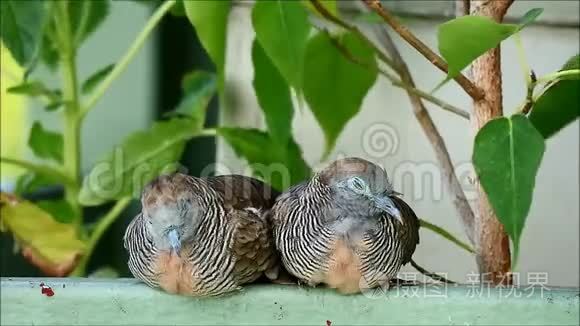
x: 178, y: 9
x: 559, y: 104
x: 21, y: 26
x: 60, y: 210
x: 529, y: 17
x: 45, y: 144
x: 464, y: 39
x: 556, y: 108
x: 35, y: 88
x: 329, y: 5
x: 85, y: 17
x: 210, y: 18
x: 31, y: 182
x: 334, y: 87
x: 55, y: 105
x: 282, y: 28
x: 273, y: 95
x: 198, y: 87
x: 49, y: 50
x: 507, y: 154
x: 279, y: 166
x: 97, y: 77
x: 48, y: 244
x: 141, y: 157
x: 572, y: 63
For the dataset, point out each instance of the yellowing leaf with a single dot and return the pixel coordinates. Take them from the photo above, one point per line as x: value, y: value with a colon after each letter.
x: 48, y: 244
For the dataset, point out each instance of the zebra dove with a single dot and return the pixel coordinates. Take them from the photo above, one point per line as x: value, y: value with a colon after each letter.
x: 345, y: 227
x: 202, y: 236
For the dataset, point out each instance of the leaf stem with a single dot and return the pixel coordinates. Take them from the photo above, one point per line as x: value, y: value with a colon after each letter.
x: 445, y: 234
x: 560, y: 74
x: 98, y: 232
x: 128, y: 56
x: 522, y: 60
x: 40, y: 169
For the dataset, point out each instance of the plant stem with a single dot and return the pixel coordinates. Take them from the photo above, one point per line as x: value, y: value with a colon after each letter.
x: 98, y: 232
x: 47, y: 171
x: 469, y: 87
x: 444, y: 233
x: 72, y: 122
x: 128, y: 56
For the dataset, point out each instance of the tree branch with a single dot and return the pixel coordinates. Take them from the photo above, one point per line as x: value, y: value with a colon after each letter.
x: 470, y: 88
x: 332, y: 18
x: 492, y: 243
x: 462, y: 8
x: 399, y: 83
x: 426, y: 122
x: 389, y: 62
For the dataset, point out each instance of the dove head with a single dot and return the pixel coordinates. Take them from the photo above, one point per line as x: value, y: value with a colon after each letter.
x: 361, y: 187
x: 170, y: 208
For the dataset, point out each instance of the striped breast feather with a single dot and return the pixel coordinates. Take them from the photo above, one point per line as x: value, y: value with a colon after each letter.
x: 285, y: 203
x: 142, y: 251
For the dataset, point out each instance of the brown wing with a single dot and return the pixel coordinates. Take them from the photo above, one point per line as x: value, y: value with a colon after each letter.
x: 409, y: 231
x: 240, y: 192
x: 253, y: 246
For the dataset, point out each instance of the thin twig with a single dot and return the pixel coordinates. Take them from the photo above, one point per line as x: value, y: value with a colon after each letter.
x: 462, y: 7
x: 426, y: 122
x: 442, y: 232
x: 434, y: 276
x: 469, y: 87
x: 332, y: 18
x: 399, y: 83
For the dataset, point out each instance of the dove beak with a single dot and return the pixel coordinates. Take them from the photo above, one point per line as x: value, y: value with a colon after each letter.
x: 174, y: 241
x: 385, y: 203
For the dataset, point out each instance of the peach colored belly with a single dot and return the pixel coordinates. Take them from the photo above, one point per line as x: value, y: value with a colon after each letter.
x: 175, y: 276
x: 344, y: 271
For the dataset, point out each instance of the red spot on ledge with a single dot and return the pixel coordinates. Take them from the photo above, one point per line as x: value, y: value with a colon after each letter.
x: 328, y: 323
x: 46, y: 290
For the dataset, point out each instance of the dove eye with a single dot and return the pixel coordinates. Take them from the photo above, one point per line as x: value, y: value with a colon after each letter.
x: 357, y: 184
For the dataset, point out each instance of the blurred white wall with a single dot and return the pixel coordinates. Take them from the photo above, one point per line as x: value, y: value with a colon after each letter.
x: 550, y: 240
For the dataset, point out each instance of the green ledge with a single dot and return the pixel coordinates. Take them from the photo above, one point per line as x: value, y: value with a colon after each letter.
x: 128, y: 302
